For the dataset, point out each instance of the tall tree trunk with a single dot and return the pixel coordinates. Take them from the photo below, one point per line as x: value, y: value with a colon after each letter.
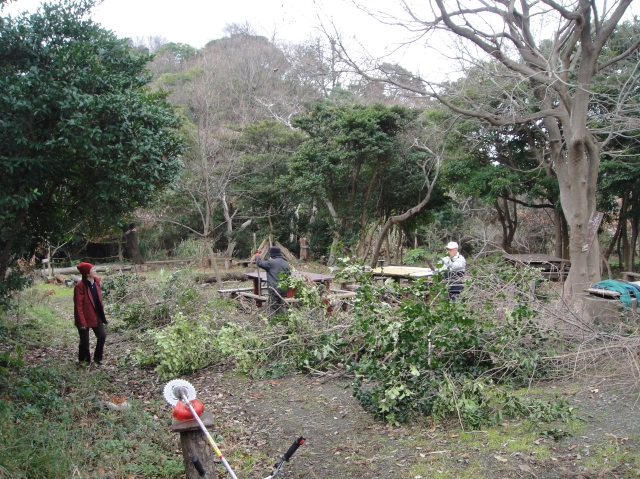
x: 577, y: 179
x: 363, y: 217
x: 398, y: 256
x: 336, y: 233
x: 557, y: 233
x: 120, y: 248
x: 634, y: 241
x: 399, y: 218
x: 228, y: 220
x: 387, y: 250
x: 624, y: 252
x: 332, y: 251
x: 508, y: 222
x: 270, y: 226
x: 565, y: 236
x: 312, y: 220
x: 212, y: 258
x: 132, y: 243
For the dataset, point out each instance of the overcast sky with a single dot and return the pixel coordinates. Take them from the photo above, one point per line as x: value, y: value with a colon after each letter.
x: 197, y: 21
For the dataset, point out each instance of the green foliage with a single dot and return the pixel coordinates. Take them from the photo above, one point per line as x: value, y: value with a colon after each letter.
x: 77, y: 116
x: 477, y: 402
x: 49, y: 416
x: 190, y: 248
x: 306, y: 291
x: 355, y: 153
x: 180, y: 348
x: 16, y: 280
x: 415, y: 256
x: 422, y: 354
x: 192, y: 343
x: 143, y: 304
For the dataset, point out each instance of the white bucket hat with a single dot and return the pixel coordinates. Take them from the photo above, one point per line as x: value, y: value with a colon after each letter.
x: 452, y: 245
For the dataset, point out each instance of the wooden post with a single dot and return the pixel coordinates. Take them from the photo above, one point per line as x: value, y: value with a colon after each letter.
x: 194, y: 443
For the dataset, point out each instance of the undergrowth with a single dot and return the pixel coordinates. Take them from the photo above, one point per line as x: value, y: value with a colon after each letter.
x: 409, y: 350
x: 54, y: 425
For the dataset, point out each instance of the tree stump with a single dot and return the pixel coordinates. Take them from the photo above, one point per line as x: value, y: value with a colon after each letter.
x: 194, y: 443
x: 304, y: 249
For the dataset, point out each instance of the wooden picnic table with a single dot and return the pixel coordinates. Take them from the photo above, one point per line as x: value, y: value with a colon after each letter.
x: 259, y: 277
x: 552, y: 267
x: 399, y: 272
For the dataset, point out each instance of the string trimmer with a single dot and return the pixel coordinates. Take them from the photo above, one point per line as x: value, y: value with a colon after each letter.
x: 181, y: 391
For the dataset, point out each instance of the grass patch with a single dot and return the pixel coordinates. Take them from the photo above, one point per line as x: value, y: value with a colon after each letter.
x: 53, y: 418
x: 55, y: 425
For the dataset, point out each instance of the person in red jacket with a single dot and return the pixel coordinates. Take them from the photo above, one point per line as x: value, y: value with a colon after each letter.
x: 88, y: 311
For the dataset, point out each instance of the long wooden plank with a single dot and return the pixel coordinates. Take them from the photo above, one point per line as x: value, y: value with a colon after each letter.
x: 627, y: 275
x: 254, y: 296
x: 603, y: 292
x: 236, y: 290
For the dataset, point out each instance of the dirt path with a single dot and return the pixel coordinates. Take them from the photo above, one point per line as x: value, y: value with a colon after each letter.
x: 344, y: 441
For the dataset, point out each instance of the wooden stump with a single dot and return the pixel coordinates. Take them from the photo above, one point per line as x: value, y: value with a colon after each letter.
x: 194, y: 443
x: 304, y: 249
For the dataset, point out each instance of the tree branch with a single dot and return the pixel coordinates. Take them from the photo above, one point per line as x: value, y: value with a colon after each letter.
x: 631, y: 49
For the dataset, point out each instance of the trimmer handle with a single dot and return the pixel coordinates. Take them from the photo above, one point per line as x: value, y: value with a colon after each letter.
x: 294, y: 447
x: 198, y: 465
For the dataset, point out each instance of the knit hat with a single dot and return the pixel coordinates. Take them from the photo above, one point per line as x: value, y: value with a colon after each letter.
x: 274, y: 252
x: 452, y: 245
x: 84, y: 268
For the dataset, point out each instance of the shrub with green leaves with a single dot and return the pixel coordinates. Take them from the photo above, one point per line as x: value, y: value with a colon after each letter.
x: 182, y: 347
x: 415, y: 256
x: 418, y: 349
x: 145, y: 304
x: 14, y: 281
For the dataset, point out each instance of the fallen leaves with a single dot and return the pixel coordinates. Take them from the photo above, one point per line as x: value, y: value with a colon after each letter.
x: 525, y: 468
x: 501, y: 459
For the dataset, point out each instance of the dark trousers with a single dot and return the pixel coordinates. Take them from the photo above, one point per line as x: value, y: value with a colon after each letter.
x: 455, y: 290
x: 454, y: 284
x: 84, y: 355
x: 277, y: 304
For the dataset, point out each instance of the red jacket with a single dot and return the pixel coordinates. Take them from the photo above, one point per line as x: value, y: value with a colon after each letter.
x: 84, y: 310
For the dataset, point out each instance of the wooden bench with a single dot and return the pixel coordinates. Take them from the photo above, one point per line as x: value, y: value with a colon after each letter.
x: 341, y: 294
x: 234, y: 291
x: 263, y: 299
x: 257, y: 297
x: 555, y: 275
x: 628, y: 275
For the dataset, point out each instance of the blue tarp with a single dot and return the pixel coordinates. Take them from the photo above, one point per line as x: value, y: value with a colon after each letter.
x: 625, y: 289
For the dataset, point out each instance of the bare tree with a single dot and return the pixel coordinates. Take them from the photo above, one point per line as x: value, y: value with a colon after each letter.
x: 553, y: 50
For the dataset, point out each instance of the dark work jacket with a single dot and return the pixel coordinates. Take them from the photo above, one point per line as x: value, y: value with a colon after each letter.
x: 274, y: 267
x: 86, y: 311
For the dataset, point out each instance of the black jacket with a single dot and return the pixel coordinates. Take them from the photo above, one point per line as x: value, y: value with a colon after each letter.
x: 274, y: 267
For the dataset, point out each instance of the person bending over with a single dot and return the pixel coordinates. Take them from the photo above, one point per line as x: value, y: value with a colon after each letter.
x: 275, y: 265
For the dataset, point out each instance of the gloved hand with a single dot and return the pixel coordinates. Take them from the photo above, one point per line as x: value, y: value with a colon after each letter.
x: 82, y: 328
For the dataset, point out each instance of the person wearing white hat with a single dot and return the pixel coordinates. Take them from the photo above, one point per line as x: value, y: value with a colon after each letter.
x: 454, y: 267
